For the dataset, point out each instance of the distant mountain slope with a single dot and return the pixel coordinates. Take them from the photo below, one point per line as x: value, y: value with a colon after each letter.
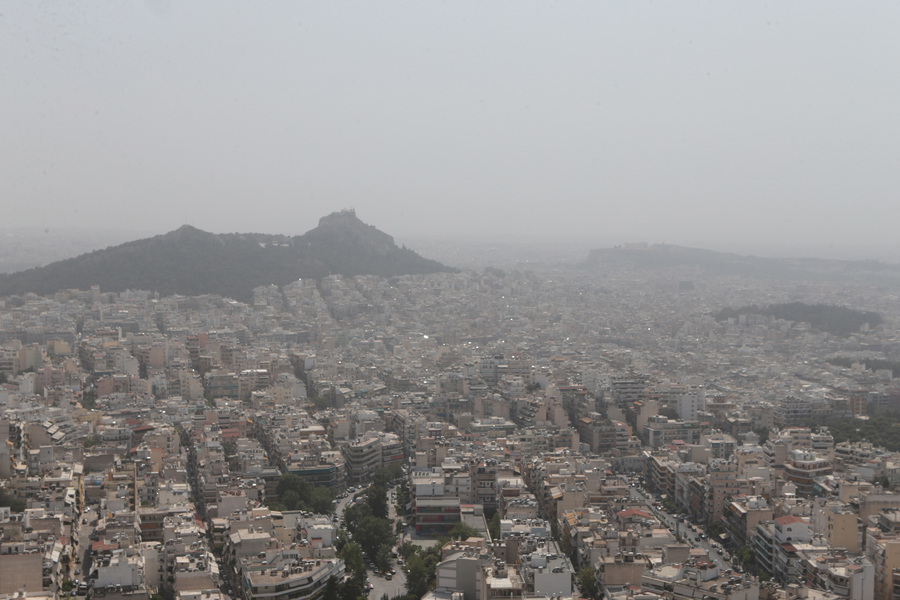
x: 193, y: 262
x: 689, y: 262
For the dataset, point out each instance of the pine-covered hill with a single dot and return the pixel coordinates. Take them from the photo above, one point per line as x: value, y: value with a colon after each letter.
x: 193, y: 262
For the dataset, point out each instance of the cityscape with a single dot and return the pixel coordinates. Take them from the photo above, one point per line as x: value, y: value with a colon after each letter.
x: 606, y: 430
x: 416, y: 300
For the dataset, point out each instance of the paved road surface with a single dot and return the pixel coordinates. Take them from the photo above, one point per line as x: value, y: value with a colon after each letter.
x: 682, y: 529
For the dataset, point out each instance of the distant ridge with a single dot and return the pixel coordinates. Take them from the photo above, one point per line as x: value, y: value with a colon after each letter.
x: 689, y: 262
x: 192, y: 262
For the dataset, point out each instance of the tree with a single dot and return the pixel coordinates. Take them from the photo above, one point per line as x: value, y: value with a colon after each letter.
x: 89, y: 399
x: 321, y: 500
x: 354, y: 514
x: 376, y: 498
x: 91, y: 441
x: 715, y: 529
x: 747, y: 557
x: 383, y: 557
x: 352, y: 589
x: 353, y: 559
x: 295, y: 493
x: 402, y: 497
x: 421, y: 568
x: 461, y: 531
x: 417, y: 576
x: 494, y: 527
x: 384, y: 475
x: 371, y: 532
x: 14, y: 504
x: 587, y: 581
x: 332, y: 589
x: 565, y: 544
x: 407, y: 549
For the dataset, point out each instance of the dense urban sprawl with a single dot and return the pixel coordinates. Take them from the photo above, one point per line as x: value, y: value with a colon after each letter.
x: 482, y: 435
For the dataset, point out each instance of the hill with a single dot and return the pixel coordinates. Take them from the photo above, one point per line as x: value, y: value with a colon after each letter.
x: 688, y: 263
x: 193, y: 262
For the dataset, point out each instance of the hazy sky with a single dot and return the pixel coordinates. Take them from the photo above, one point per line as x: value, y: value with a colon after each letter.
x: 748, y: 122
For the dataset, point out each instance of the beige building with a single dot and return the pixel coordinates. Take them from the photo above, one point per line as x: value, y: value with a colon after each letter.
x: 21, y: 572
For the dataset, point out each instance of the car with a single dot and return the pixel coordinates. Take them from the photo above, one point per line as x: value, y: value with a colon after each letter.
x: 78, y: 571
x: 84, y: 521
x: 720, y: 552
x: 388, y: 576
x: 697, y: 538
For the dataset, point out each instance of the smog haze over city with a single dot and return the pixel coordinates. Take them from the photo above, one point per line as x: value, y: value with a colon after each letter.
x: 763, y: 128
x: 449, y: 300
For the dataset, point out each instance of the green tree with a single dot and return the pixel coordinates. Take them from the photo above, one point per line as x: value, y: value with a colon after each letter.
x: 354, y: 514
x: 90, y: 441
x: 494, y: 527
x: 14, y: 504
x: 67, y: 585
x: 321, y: 500
x: 417, y: 576
x: 295, y: 493
x: 587, y: 581
x: 407, y: 549
x: 352, y: 589
x: 715, y: 529
x: 353, y: 559
x: 747, y: 557
x: 565, y: 544
x: 383, y: 557
x: 461, y: 531
x: 89, y: 399
x: 384, y: 475
x: 402, y: 497
x: 371, y: 532
x: 332, y: 589
x: 376, y: 498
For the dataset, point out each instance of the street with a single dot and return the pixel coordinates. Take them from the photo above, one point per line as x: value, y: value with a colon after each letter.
x: 681, y: 529
x: 380, y: 585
